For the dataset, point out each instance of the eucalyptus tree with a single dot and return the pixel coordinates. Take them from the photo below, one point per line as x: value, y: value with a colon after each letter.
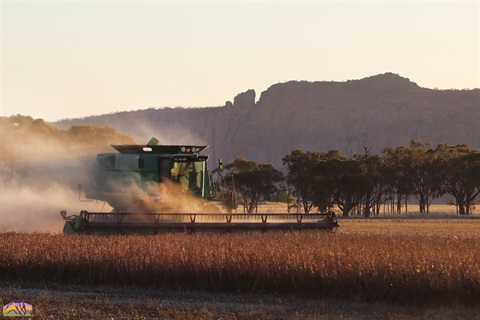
x: 398, y: 176
x: 349, y: 183
x: 255, y: 182
x: 426, y: 173
x: 326, y: 179
x: 302, y: 170
x: 461, y: 173
x: 371, y: 185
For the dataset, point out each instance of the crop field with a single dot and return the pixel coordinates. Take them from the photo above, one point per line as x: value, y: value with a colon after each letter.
x: 399, y: 262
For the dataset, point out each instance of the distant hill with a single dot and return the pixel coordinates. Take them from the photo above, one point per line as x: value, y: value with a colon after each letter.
x: 374, y: 112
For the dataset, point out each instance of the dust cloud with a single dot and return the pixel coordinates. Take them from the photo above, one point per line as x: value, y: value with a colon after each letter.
x: 27, y: 209
x: 33, y: 192
x: 40, y: 170
x: 132, y: 194
x: 32, y: 196
x: 172, y: 198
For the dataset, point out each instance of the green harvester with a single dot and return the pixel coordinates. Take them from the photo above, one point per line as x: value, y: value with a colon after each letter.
x: 156, y: 188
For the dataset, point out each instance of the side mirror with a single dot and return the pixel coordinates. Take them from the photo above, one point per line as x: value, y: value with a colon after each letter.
x: 63, y: 213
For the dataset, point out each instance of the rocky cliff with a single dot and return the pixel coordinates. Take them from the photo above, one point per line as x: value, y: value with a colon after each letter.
x: 375, y: 112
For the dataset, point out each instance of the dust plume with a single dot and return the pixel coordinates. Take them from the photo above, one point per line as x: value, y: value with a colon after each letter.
x: 173, y: 198
x: 27, y: 209
x: 32, y: 195
x: 135, y: 195
x: 40, y: 169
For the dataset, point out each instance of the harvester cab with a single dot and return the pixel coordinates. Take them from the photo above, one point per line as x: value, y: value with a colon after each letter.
x: 154, y: 188
x: 140, y: 177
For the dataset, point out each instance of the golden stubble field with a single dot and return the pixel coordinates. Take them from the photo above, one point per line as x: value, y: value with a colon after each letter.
x: 431, y: 264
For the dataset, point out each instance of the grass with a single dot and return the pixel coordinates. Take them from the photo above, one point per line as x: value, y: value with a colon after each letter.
x: 403, y: 262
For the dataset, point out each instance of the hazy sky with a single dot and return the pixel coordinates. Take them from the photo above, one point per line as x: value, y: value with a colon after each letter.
x: 68, y: 59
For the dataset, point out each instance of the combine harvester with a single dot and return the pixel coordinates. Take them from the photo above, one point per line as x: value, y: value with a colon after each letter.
x: 160, y: 188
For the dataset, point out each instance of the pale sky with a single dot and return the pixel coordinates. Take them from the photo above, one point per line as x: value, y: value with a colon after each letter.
x: 69, y: 59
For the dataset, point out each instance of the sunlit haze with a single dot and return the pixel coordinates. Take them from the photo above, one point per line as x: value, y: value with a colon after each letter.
x: 79, y: 58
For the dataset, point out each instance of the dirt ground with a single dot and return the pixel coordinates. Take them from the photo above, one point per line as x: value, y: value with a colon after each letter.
x: 54, y: 301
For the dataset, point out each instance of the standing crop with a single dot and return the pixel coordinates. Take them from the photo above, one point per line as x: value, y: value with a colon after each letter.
x: 370, y: 264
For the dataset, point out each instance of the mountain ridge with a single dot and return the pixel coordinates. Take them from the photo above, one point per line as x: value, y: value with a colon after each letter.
x: 378, y: 111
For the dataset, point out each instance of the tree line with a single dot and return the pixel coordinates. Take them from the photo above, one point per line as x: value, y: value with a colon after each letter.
x: 314, y: 180
x: 365, y: 183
